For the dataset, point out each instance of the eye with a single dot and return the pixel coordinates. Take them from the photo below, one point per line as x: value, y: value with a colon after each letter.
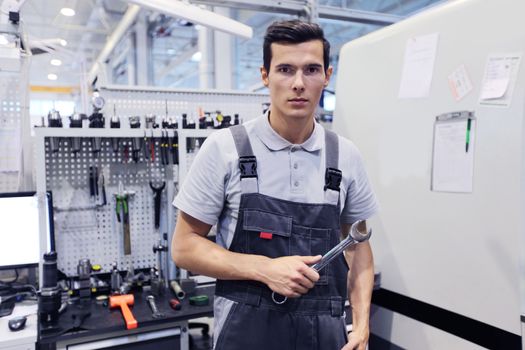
x: 313, y: 70
x: 284, y: 69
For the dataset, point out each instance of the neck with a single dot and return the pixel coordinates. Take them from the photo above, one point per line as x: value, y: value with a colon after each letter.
x: 294, y: 130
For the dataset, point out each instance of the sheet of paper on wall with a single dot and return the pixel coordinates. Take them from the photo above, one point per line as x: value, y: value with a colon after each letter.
x: 499, y: 79
x: 418, y: 66
x: 453, y: 152
x: 10, y: 146
x: 460, y: 83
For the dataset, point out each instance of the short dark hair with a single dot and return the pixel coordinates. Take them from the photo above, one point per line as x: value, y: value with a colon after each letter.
x: 293, y: 32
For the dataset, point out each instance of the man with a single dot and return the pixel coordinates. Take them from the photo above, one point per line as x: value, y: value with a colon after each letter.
x: 283, y: 191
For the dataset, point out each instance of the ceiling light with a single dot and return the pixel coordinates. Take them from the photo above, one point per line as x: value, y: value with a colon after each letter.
x: 197, y: 15
x: 56, y: 62
x: 196, y: 56
x: 63, y: 42
x: 67, y: 11
x: 171, y: 51
x: 52, y: 76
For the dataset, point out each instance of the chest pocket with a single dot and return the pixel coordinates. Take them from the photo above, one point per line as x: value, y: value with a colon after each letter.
x: 268, y: 233
x: 274, y: 235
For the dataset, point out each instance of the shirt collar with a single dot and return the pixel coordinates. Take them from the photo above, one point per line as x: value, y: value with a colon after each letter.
x: 276, y: 142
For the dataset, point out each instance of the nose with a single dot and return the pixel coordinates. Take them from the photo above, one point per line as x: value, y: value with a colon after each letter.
x: 298, y: 83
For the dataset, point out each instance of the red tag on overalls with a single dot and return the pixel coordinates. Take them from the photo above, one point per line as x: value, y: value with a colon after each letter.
x: 266, y: 235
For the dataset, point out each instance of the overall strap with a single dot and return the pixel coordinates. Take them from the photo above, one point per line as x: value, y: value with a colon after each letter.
x: 247, y: 161
x: 333, y: 175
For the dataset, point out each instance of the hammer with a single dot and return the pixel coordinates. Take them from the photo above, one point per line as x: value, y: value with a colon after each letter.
x: 123, y: 301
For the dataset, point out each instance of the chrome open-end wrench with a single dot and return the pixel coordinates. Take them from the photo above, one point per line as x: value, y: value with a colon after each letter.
x: 155, y: 313
x: 354, y: 237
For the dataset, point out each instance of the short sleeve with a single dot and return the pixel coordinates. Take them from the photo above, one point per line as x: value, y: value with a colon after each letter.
x: 202, y: 193
x: 361, y: 203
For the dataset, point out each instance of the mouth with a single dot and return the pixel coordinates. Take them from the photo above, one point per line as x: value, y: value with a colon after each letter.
x: 298, y: 102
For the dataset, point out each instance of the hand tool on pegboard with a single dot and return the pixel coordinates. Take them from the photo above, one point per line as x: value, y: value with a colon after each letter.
x: 164, y: 148
x: 136, y: 142
x: 122, y: 207
x: 152, y: 148
x: 174, y: 146
x: 54, y: 121
x: 157, y: 197
x: 93, y: 182
x: 187, y: 123
x: 122, y: 213
x: 149, y: 142
x: 75, y: 121
x: 103, y: 189
x: 114, y: 123
x: 96, y: 121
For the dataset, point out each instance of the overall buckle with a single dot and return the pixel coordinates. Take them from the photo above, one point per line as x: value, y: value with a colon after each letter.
x: 248, y: 166
x: 332, y: 179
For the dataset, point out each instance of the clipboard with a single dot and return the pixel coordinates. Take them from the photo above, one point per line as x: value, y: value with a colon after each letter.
x: 453, y: 152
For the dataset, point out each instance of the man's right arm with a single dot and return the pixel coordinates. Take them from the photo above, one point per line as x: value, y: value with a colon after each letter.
x: 290, y: 276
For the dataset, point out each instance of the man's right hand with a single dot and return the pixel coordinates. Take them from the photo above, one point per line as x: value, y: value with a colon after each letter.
x: 290, y: 276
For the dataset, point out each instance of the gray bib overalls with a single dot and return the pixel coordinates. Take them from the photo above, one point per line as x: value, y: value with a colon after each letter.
x: 273, y: 227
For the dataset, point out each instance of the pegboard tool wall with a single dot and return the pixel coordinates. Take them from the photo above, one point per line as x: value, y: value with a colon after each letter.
x: 140, y: 101
x: 13, y: 127
x: 86, y: 229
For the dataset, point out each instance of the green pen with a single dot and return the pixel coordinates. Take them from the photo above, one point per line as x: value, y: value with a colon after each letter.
x: 467, y: 141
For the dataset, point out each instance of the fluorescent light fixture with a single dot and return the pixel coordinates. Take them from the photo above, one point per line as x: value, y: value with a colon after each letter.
x: 63, y: 42
x: 196, y: 56
x: 56, y: 62
x: 67, y: 11
x: 125, y: 22
x: 170, y: 51
x: 195, y: 14
x: 52, y: 76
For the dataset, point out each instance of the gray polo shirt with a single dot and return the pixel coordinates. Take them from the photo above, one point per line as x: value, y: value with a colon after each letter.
x: 211, y: 191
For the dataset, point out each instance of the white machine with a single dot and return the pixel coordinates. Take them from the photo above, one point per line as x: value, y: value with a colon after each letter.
x: 460, y: 252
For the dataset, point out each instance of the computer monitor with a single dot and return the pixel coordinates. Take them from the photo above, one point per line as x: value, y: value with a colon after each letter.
x: 20, y: 229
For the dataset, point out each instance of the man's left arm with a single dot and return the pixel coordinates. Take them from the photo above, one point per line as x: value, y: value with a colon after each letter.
x: 360, y: 284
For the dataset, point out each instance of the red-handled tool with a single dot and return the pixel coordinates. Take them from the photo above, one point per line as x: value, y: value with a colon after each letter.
x: 123, y: 301
x: 175, y: 304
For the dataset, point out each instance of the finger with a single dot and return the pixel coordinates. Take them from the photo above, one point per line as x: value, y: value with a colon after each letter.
x: 311, y: 275
x: 310, y: 260
x: 306, y: 277
x: 300, y: 289
x: 350, y: 346
x: 353, y: 342
x: 289, y: 293
x: 294, y: 295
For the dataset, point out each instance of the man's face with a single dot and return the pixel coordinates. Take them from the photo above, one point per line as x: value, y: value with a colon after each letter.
x: 296, y: 78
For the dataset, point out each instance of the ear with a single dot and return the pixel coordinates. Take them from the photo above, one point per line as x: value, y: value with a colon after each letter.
x: 264, y: 76
x: 328, y: 74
